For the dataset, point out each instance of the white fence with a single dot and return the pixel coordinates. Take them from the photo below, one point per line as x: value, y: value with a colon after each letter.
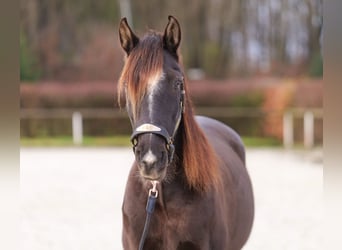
x: 308, y: 126
x: 308, y: 116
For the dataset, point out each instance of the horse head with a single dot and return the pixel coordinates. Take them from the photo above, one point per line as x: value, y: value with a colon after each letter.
x: 153, y: 83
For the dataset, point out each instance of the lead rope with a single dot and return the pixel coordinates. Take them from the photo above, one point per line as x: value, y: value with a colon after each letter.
x: 151, y: 202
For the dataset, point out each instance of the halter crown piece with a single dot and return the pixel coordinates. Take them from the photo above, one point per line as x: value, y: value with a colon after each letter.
x: 161, y: 131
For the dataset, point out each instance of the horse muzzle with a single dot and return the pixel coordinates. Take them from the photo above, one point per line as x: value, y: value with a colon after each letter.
x: 152, y: 174
x: 153, y: 167
x: 152, y: 162
x: 151, y: 155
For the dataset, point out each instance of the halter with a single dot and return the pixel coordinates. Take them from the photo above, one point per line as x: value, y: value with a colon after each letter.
x: 160, y: 130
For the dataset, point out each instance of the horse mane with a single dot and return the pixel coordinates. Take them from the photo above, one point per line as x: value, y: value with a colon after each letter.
x: 199, y: 159
x: 145, y: 59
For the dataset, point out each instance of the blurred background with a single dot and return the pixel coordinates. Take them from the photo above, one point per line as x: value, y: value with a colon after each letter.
x: 255, y: 65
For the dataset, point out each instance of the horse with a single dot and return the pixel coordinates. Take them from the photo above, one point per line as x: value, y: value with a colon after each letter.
x: 196, y: 163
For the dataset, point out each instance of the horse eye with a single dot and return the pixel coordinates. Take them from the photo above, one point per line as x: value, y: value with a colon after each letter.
x: 178, y: 83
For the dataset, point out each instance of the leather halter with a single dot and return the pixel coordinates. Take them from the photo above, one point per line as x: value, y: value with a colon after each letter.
x: 160, y: 130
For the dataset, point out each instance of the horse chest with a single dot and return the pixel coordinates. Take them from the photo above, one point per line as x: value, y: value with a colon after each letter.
x: 179, y: 226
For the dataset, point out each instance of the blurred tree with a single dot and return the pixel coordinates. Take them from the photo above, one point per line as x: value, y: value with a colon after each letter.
x: 221, y: 37
x: 29, y: 69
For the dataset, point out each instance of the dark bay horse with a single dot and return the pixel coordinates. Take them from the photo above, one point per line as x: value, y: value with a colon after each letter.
x: 205, y: 195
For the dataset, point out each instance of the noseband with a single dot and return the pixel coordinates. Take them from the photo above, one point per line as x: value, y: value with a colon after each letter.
x: 160, y: 130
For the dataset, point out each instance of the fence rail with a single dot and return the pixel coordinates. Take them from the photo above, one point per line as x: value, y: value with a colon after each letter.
x: 77, y: 116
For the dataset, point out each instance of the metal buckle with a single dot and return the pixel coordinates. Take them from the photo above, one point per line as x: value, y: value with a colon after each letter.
x: 153, y: 192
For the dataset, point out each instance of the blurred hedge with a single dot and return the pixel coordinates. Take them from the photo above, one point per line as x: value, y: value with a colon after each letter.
x: 68, y: 95
x: 266, y: 94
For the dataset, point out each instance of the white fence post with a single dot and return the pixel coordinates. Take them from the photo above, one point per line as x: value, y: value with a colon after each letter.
x: 77, y: 128
x: 288, y: 129
x: 308, y: 129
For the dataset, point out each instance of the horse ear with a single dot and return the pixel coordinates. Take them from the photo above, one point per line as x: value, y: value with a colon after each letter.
x: 128, y: 39
x: 172, y: 35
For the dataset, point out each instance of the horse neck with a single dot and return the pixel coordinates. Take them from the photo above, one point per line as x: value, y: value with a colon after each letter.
x: 197, y: 160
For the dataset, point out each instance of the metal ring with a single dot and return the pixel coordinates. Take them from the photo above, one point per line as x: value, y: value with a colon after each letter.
x: 134, y: 141
x: 150, y: 193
